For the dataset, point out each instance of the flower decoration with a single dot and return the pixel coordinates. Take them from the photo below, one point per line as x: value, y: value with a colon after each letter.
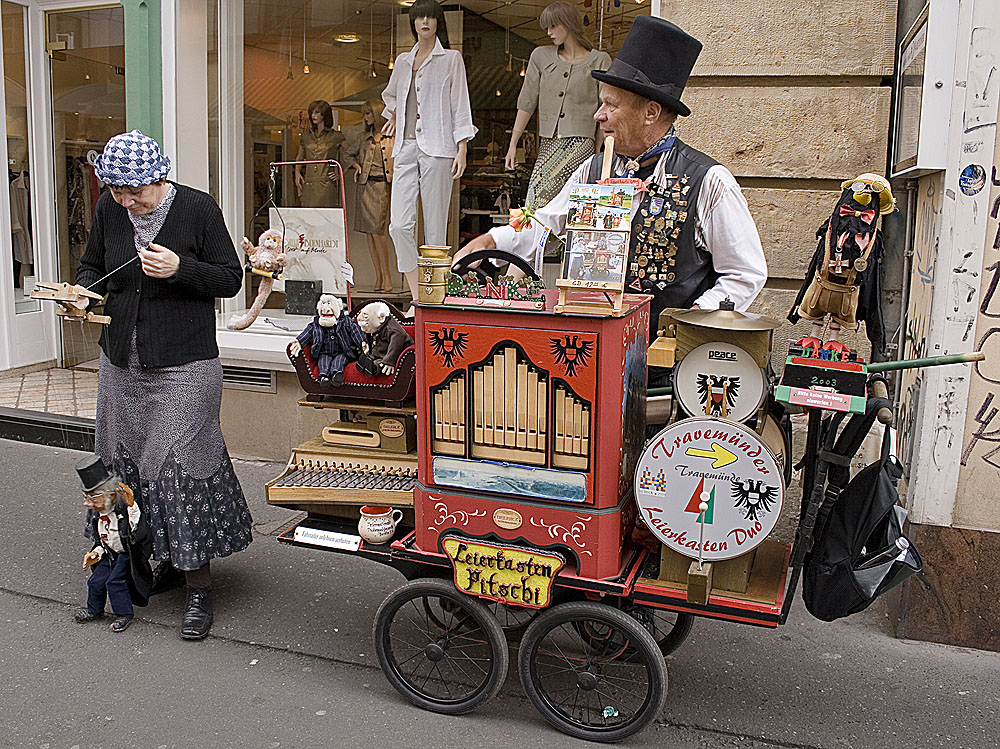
x: 520, y: 218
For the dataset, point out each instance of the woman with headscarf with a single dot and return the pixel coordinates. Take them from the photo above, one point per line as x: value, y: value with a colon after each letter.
x: 162, y: 254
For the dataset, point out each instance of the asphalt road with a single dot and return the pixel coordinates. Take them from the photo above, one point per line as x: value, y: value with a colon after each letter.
x: 290, y: 663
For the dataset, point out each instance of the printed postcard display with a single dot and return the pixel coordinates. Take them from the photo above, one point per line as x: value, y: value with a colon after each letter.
x: 597, y: 239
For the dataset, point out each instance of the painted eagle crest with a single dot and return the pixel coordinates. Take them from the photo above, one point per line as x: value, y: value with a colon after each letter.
x: 718, y: 394
x: 449, y: 345
x: 571, y: 352
x: 754, y: 498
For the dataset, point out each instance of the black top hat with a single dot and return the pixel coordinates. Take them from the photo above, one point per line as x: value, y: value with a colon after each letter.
x: 654, y: 61
x: 92, y: 472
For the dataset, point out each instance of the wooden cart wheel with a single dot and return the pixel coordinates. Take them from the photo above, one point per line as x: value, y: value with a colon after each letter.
x: 442, y: 650
x: 602, y: 689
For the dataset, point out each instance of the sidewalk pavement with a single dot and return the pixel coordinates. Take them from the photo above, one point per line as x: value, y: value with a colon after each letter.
x: 290, y: 663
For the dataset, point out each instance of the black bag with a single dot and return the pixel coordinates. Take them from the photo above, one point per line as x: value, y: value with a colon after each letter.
x: 859, y: 551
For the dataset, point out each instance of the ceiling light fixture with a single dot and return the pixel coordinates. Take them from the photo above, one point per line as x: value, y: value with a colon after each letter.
x: 347, y: 38
x: 371, y: 44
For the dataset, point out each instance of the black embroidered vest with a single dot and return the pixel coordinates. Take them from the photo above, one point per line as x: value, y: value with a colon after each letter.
x: 663, y: 259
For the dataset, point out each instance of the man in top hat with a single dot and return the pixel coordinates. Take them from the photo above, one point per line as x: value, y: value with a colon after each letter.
x: 693, y: 242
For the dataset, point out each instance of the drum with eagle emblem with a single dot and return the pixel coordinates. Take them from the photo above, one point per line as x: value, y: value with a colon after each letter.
x: 719, y: 379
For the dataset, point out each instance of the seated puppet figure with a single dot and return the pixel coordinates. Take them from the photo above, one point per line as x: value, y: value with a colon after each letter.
x: 333, y: 338
x: 844, y: 277
x: 386, y: 339
x: 119, y: 560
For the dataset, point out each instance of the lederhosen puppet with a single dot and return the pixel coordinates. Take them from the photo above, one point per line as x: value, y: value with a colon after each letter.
x: 844, y: 280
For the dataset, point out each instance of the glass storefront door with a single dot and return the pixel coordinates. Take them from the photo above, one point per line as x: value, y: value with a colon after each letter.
x: 87, y: 69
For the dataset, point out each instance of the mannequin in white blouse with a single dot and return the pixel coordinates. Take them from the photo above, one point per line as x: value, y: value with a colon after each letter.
x: 427, y: 110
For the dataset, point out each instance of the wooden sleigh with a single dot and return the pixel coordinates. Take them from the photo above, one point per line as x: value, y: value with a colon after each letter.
x: 394, y: 390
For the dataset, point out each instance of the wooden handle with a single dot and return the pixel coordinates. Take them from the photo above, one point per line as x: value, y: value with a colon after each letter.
x: 609, y: 154
x: 879, y: 391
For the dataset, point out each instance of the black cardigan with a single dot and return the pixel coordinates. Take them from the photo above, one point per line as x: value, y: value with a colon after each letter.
x: 174, y: 318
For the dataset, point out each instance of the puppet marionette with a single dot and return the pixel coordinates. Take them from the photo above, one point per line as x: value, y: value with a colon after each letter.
x: 333, y: 338
x: 844, y: 278
x: 266, y: 260
x: 119, y: 560
x: 386, y: 339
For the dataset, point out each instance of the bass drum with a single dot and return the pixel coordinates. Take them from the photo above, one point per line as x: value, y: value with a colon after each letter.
x: 719, y: 379
x: 779, y: 441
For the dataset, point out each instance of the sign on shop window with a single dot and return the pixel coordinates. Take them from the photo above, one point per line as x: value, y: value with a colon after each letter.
x: 317, y: 245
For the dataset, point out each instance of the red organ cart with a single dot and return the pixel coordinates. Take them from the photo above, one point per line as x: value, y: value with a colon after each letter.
x: 519, y: 531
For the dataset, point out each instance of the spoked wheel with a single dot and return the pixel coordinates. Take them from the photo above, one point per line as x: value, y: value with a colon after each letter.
x: 513, y: 619
x: 592, y: 671
x: 668, y: 628
x: 442, y: 650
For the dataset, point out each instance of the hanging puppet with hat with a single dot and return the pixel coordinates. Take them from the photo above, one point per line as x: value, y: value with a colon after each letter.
x: 844, y: 277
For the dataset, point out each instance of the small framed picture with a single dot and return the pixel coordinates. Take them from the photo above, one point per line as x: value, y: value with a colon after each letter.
x: 595, y: 259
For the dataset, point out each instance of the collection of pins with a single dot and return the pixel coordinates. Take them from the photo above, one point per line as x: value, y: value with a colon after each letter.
x: 314, y: 474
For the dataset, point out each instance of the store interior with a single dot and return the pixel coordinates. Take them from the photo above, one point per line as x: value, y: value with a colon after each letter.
x: 342, y: 53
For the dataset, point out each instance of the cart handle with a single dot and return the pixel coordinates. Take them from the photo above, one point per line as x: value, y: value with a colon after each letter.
x: 879, y: 390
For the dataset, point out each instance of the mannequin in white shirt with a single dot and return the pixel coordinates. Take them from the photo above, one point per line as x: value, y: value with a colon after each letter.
x: 427, y: 110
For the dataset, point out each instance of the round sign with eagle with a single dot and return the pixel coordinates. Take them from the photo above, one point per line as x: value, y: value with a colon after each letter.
x: 719, y: 379
x: 708, y: 488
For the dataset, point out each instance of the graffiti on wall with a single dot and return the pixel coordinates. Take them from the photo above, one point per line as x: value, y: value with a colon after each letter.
x: 982, y: 434
x: 925, y: 248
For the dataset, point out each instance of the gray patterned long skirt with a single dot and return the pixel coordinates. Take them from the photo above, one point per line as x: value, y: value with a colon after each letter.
x: 557, y: 159
x: 159, y: 430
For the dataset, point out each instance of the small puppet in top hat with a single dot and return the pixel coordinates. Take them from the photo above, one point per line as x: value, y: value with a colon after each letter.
x: 93, y: 473
x: 844, y: 277
x: 122, y: 545
x: 654, y: 61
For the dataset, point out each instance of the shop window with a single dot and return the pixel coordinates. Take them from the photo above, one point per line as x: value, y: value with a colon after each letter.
x: 87, y: 75
x: 22, y: 244
x: 340, y: 53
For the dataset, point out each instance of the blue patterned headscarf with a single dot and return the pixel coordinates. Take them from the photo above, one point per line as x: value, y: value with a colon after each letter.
x: 131, y: 159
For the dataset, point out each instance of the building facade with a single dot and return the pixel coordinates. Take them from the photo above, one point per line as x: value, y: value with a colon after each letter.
x: 791, y: 100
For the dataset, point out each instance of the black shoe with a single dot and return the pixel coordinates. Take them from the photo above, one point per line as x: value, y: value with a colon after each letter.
x: 198, y: 616
x: 337, y: 378
x: 166, y: 577
x: 120, y: 624
x: 86, y: 615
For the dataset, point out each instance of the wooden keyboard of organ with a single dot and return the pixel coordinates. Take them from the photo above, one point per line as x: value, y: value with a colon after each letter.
x: 509, y: 397
x: 344, y: 483
x: 449, y: 417
x: 572, y: 431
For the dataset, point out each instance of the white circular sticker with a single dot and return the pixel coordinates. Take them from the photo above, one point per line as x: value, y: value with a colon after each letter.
x: 719, y: 379
x: 708, y: 486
